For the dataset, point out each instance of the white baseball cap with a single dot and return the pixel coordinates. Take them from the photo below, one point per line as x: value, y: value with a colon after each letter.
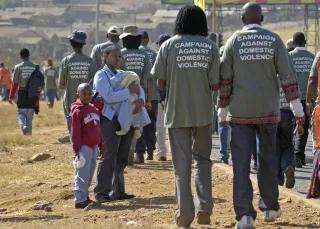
x: 115, y: 30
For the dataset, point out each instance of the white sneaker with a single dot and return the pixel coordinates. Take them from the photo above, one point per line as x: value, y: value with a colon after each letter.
x: 271, y: 215
x: 246, y: 222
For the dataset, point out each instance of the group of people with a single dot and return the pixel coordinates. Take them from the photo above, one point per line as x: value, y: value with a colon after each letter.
x: 120, y: 100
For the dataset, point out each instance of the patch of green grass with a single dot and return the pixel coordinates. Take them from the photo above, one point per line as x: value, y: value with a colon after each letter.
x: 15, y: 139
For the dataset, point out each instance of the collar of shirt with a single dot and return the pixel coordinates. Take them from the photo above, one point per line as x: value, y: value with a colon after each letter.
x: 109, y: 71
x: 300, y: 48
x: 250, y: 26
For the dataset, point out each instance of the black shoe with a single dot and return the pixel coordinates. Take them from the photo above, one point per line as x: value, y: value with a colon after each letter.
x: 225, y: 162
x: 298, y: 163
x: 150, y: 156
x: 125, y: 196
x: 162, y: 158
x: 83, y: 204
x: 103, y: 199
x: 290, y: 180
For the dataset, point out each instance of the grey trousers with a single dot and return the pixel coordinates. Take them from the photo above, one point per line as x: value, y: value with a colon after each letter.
x: 110, y: 177
x: 243, y: 138
x: 188, y: 143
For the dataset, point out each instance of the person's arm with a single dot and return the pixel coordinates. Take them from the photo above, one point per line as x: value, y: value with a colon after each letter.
x: 103, y: 87
x: 149, y: 78
x: 312, y: 84
x: 94, y: 55
x: 76, y: 132
x: 63, y: 71
x: 158, y: 70
x: 214, y: 69
x: 15, y: 83
x: 226, y: 80
x: 92, y: 71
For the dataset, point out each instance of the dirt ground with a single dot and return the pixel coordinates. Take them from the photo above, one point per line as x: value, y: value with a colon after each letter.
x: 22, y: 184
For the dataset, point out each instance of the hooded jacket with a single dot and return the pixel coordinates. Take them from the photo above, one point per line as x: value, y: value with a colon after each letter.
x: 85, y: 128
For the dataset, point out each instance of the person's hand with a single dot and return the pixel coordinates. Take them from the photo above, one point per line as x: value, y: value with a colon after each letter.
x: 134, y: 88
x: 299, y: 125
x: 75, y: 155
x: 138, y: 105
x: 100, y: 155
x: 10, y: 100
x: 224, y: 123
x: 148, y: 105
x: 309, y: 109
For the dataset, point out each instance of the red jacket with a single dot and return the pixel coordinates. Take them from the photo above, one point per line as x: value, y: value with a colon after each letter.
x: 85, y: 128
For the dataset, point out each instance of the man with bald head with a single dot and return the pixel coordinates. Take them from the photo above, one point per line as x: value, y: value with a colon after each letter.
x: 254, y: 61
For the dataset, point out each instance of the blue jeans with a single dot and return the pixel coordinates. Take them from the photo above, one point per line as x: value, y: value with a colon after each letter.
x: 300, y: 141
x: 223, y: 136
x: 243, y: 138
x: 110, y: 170
x: 51, y: 95
x: 285, y: 145
x: 25, y: 117
x: 83, y: 176
x: 148, y: 138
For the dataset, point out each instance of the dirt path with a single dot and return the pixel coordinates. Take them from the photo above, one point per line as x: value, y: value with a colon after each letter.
x: 22, y: 184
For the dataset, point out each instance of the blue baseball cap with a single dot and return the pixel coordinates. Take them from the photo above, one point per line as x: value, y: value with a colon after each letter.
x: 78, y: 37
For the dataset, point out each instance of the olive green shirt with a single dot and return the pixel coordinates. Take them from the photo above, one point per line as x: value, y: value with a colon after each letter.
x: 74, y: 69
x: 138, y: 61
x: 22, y: 72
x: 98, y: 51
x: 302, y: 61
x: 254, y: 64
x: 190, y: 66
x: 152, y: 57
x: 50, y: 77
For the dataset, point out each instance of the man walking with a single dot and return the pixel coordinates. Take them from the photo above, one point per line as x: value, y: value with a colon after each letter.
x: 252, y: 61
x: 187, y: 67
x: 99, y: 49
x: 75, y: 69
x: 21, y: 75
x: 302, y: 61
x: 148, y: 139
x: 50, y: 76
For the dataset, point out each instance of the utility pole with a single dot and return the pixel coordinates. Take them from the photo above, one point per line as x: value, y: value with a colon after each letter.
x: 214, y: 16
x: 71, y: 18
x: 97, y: 21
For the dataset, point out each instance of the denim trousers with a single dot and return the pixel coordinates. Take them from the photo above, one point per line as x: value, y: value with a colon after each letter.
x: 223, y: 131
x: 285, y: 145
x: 243, y: 139
x: 83, y: 176
x: 148, y: 138
x: 25, y: 117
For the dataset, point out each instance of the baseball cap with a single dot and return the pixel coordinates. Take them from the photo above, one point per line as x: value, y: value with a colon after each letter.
x: 130, y: 30
x: 78, y: 37
x: 115, y: 30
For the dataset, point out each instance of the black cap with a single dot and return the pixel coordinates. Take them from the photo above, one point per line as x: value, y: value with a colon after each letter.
x: 78, y: 37
x: 162, y: 38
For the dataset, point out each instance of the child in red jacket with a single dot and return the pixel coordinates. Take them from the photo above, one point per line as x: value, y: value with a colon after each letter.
x: 86, y: 136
